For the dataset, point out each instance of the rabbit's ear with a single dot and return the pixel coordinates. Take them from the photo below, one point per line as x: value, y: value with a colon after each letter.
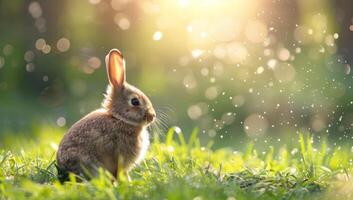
x: 115, y: 68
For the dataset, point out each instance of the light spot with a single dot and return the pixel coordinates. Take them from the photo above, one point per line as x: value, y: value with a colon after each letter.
x: 268, y: 52
x: 283, y: 54
x: 212, y: 133
x: 94, y: 62
x: 196, y: 53
x: 54, y: 146
x: 301, y: 34
x: 318, y: 123
x: 194, y: 112
x: 46, y: 49
x: 170, y: 149
x: 63, y: 44
x: 347, y: 69
x: 260, y: 69
x: 335, y: 35
x: 61, y: 121
x: 211, y: 93
x: 34, y: 9
x: 122, y: 21
x: 8, y: 49
x: 310, y: 31
x: 238, y: 100
x: 294, y: 151
x: 298, y: 50
x: 228, y: 118
x: 204, y: 71
x: 40, y: 44
x: 272, y: 63
x: 157, y: 36
x: 189, y: 82
x: 177, y: 129
x: 255, y: 125
x: 330, y: 41
x: 45, y: 78
x: 88, y: 70
x: 29, y: 56
x: 94, y: 2
x: 30, y: 67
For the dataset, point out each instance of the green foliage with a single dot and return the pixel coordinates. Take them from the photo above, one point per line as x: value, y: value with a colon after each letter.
x: 179, y: 168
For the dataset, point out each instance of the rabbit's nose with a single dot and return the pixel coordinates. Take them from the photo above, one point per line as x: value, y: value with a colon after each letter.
x: 150, y: 115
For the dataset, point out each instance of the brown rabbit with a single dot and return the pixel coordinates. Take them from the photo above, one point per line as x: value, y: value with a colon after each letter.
x: 113, y: 137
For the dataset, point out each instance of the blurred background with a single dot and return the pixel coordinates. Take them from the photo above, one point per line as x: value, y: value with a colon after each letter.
x: 261, y: 70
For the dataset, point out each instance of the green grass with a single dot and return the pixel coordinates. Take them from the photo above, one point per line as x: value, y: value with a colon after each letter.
x: 179, y: 168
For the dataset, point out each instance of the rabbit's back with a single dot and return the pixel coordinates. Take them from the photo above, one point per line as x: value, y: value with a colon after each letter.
x: 99, y: 140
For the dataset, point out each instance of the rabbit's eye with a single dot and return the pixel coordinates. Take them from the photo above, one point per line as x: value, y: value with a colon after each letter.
x: 135, y: 102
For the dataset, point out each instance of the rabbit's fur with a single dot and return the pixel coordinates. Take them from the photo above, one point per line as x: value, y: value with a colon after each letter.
x: 113, y: 137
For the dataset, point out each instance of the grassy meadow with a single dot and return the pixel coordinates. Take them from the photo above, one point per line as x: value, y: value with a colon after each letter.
x: 181, y: 168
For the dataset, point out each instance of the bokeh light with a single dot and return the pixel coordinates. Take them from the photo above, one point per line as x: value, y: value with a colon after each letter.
x: 235, y: 69
x: 63, y: 44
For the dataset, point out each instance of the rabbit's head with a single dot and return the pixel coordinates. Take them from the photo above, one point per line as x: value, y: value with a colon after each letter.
x: 124, y: 101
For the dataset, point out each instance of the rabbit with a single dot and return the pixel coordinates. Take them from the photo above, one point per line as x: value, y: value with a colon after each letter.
x: 113, y: 137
